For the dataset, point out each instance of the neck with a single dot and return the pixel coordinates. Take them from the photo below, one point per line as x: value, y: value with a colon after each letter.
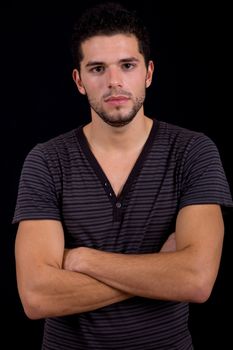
x: 121, y: 139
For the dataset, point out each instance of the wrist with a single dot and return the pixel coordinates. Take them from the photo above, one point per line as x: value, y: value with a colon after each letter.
x: 87, y: 258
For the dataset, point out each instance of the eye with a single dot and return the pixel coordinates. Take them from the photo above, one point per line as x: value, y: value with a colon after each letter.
x: 128, y: 66
x: 97, y: 69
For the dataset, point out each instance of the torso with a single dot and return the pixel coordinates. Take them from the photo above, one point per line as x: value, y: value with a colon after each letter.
x: 168, y: 177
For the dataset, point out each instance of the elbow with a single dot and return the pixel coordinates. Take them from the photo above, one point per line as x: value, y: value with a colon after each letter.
x: 200, y: 295
x: 32, y: 306
x: 201, y: 290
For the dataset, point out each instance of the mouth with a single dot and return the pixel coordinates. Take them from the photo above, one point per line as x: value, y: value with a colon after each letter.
x: 116, y: 100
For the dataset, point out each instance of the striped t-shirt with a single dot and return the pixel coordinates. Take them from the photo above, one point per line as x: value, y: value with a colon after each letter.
x: 62, y: 180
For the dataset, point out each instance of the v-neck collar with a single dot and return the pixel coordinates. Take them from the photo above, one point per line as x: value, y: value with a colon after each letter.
x: 117, y: 201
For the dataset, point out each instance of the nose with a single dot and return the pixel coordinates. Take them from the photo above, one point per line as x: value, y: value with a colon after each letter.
x: 114, y: 77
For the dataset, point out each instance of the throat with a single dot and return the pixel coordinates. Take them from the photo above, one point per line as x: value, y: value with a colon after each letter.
x: 130, y: 138
x: 117, y: 156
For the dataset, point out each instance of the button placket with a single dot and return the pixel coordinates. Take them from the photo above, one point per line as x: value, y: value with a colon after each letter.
x: 108, y: 189
x: 117, y: 211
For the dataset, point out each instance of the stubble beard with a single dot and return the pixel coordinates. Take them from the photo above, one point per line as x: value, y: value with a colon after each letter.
x: 117, y: 118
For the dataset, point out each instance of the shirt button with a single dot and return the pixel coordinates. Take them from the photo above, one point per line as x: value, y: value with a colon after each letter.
x: 118, y: 205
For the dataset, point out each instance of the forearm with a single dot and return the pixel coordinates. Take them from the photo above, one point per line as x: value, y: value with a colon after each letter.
x: 184, y: 273
x: 57, y: 292
x: 45, y: 287
x: 166, y: 276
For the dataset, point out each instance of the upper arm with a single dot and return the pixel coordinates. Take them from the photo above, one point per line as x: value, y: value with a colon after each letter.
x: 39, y: 243
x: 200, y: 230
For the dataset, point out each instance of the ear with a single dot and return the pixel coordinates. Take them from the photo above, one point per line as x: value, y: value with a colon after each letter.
x: 78, y: 81
x: 149, y: 74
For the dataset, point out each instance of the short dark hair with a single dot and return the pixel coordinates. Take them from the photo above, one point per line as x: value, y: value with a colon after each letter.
x: 108, y: 19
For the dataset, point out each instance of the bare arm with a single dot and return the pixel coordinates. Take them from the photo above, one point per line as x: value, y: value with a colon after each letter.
x: 187, y: 274
x: 45, y: 288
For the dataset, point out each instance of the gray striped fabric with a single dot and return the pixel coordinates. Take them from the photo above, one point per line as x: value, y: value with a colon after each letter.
x: 62, y: 180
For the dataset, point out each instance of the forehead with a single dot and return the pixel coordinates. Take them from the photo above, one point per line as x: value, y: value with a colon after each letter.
x: 103, y: 47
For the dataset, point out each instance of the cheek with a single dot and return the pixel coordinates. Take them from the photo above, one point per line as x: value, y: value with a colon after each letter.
x: 139, y: 86
x: 137, y: 82
x: 94, y: 87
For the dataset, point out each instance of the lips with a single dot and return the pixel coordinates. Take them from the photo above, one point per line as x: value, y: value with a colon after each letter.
x: 117, y: 99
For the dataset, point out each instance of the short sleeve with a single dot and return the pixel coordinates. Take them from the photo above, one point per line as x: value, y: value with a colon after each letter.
x: 37, y: 197
x: 203, y: 177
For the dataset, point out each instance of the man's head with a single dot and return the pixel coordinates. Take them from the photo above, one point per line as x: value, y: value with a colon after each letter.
x: 108, y: 19
x: 111, y: 51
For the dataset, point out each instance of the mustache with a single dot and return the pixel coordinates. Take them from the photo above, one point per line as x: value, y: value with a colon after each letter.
x: 116, y: 93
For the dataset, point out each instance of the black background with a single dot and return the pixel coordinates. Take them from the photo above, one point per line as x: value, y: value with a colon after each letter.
x: 39, y: 100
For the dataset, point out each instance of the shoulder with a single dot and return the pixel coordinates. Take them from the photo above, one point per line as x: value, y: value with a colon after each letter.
x: 56, y: 147
x: 62, y: 141
x: 177, y: 133
x: 184, y: 140
x: 54, y: 154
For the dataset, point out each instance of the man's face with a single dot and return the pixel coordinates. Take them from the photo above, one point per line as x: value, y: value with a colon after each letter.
x: 114, y: 77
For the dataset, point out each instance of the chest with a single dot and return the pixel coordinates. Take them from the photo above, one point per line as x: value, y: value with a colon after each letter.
x: 117, y: 168
x: 92, y: 217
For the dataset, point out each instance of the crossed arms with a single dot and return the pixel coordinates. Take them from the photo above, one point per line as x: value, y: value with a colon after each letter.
x: 56, y: 282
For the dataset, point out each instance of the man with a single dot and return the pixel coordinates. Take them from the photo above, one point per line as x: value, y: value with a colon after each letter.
x: 120, y: 222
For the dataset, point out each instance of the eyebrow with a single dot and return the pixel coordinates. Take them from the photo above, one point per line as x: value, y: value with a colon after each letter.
x: 100, y: 63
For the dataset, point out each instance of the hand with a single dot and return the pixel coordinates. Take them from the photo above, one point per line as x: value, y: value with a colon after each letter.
x: 76, y: 259
x: 71, y: 259
x: 170, y: 244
